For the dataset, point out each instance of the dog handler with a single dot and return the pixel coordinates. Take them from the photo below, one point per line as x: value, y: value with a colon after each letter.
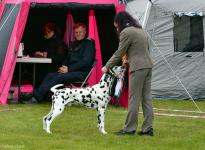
x: 133, y: 42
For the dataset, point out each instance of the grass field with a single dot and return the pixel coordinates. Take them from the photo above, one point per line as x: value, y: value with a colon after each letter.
x: 76, y: 129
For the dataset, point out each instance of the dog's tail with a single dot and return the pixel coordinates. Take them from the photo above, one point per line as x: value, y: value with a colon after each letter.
x: 53, y: 89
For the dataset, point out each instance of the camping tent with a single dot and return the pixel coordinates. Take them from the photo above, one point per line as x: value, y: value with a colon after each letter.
x: 177, y: 34
x: 17, y: 17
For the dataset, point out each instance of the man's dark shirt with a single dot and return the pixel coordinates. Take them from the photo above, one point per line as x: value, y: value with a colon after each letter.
x: 81, y: 56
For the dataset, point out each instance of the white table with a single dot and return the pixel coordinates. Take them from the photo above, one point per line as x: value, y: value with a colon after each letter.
x: 34, y: 61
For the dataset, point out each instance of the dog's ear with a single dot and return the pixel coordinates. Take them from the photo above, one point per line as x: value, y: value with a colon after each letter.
x: 123, y: 67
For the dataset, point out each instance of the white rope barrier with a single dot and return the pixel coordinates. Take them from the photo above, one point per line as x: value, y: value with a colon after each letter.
x: 178, y: 110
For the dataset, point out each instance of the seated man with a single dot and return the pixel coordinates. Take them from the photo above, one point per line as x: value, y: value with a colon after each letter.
x: 76, y: 66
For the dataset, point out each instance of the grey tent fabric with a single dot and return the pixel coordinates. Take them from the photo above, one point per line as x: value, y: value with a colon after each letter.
x: 188, y: 67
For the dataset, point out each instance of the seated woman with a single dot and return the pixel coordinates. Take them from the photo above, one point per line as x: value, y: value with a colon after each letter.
x: 53, y: 47
x: 75, y: 67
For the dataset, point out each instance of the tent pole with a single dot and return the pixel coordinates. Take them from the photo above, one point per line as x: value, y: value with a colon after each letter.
x: 147, y: 13
x: 204, y: 33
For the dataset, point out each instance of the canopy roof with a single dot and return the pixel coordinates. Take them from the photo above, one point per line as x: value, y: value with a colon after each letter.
x: 94, y: 2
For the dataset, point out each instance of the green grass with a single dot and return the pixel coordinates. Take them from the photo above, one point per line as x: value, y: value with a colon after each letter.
x: 76, y: 129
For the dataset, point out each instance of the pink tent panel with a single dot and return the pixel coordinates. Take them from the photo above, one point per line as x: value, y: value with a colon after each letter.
x: 93, y: 33
x: 11, y: 55
x: 65, y: 1
x: 69, y: 33
x: 2, y: 5
x: 77, y: 1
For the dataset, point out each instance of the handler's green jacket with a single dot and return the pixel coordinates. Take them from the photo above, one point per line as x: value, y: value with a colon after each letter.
x: 134, y: 43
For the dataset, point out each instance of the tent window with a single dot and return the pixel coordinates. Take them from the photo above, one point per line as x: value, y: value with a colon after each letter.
x: 6, y: 24
x: 188, y: 34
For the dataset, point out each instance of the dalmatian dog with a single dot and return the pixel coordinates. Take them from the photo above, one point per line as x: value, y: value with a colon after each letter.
x: 96, y: 96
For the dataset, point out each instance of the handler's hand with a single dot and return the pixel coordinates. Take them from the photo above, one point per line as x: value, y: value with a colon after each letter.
x: 104, y: 69
x: 63, y: 69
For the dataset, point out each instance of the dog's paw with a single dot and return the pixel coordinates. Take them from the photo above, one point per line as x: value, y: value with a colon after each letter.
x: 49, y: 132
x: 104, y: 132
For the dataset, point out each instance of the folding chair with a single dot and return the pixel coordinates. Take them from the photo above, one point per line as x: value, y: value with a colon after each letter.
x: 84, y: 82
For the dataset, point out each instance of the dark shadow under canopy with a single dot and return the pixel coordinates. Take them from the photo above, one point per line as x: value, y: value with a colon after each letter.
x: 41, y: 13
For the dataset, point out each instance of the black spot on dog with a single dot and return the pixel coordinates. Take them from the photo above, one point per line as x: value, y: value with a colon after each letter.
x: 102, y: 86
x: 70, y: 92
x: 99, y: 98
x: 92, y: 90
x: 92, y: 105
x: 99, y: 120
x: 67, y: 98
x: 76, y: 100
x: 49, y: 119
x: 84, y: 101
x: 63, y: 102
x: 89, y: 95
x: 81, y: 92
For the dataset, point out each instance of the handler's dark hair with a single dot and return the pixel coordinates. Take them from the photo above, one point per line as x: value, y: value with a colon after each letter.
x: 124, y: 19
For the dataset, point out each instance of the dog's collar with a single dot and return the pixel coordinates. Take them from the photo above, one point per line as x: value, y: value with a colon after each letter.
x: 111, y: 73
